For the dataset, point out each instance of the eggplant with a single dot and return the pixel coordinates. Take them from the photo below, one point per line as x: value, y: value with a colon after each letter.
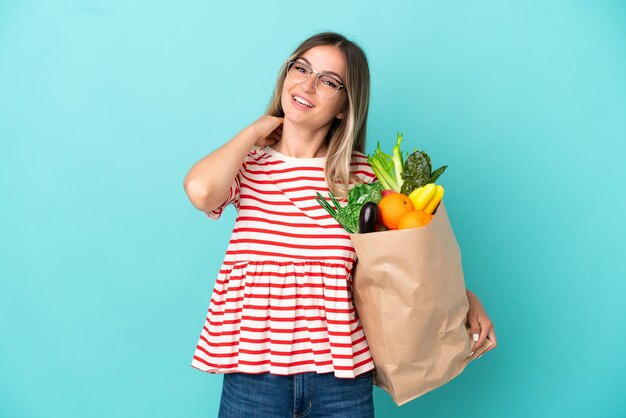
x: 368, y: 218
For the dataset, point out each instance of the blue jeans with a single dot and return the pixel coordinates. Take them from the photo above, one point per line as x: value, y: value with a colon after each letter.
x: 301, y: 395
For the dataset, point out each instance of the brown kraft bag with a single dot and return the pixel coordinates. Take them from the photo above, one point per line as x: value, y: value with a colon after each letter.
x: 409, y: 293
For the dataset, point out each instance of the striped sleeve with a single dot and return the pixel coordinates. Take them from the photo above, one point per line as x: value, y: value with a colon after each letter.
x: 233, y: 196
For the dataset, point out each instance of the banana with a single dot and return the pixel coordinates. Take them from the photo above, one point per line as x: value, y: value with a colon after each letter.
x: 425, y: 196
x: 415, y: 194
x: 432, y: 205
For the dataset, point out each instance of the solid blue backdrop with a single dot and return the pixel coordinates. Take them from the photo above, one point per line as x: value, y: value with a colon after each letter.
x: 106, y: 269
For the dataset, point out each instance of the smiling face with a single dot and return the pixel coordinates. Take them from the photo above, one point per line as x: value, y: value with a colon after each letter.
x: 302, y: 103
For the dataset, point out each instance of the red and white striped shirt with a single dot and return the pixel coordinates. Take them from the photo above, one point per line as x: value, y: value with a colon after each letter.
x: 282, y: 301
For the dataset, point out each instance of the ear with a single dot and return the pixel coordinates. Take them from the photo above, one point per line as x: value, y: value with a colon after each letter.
x: 341, y: 114
x: 344, y: 110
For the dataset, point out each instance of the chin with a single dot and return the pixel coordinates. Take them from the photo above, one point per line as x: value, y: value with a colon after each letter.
x: 304, y: 119
x: 294, y: 116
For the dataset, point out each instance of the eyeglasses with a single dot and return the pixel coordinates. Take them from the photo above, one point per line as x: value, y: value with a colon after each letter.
x: 326, y: 84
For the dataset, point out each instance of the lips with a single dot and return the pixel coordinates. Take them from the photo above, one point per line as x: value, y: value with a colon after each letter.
x: 302, y: 101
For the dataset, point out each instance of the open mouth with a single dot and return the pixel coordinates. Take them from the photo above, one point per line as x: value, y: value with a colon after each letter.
x: 299, y: 100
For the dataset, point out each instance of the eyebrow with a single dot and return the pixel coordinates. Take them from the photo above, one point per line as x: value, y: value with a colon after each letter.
x: 324, y: 72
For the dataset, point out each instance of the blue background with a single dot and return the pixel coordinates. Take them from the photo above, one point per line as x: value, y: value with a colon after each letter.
x: 106, y: 269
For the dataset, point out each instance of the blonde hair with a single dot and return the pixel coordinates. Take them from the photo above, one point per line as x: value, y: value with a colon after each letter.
x: 348, y: 133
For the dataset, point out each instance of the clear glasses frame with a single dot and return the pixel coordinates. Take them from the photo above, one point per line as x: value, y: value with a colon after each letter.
x: 310, y: 71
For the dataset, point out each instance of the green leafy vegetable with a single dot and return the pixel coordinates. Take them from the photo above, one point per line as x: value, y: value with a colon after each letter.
x: 435, y: 174
x: 363, y: 193
x: 393, y: 173
x: 333, y: 211
x: 417, y: 172
x: 348, y: 216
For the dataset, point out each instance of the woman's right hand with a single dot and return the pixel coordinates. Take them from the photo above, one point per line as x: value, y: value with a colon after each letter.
x: 268, y: 129
x: 207, y: 183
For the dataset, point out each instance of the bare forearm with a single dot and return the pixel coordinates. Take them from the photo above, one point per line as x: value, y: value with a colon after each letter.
x: 208, y: 181
x: 472, y: 298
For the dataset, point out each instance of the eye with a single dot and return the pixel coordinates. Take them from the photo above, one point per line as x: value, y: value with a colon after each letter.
x: 330, y: 82
x: 300, y: 68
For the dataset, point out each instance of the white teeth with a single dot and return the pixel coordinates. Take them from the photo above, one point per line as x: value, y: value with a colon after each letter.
x: 302, y: 101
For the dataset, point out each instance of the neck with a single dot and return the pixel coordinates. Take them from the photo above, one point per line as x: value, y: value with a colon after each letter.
x: 301, y: 142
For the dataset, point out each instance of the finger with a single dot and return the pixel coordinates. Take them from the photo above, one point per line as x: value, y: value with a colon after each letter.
x: 263, y: 142
x: 272, y: 137
x: 278, y: 133
x: 475, y: 330
x: 268, y: 124
x: 492, y: 338
x: 484, y: 331
x: 278, y: 122
x: 275, y: 134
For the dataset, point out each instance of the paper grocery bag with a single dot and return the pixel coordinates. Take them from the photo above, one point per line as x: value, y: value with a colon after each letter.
x: 410, y: 296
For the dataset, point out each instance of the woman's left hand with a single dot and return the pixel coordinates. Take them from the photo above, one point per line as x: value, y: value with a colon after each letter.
x: 480, y: 324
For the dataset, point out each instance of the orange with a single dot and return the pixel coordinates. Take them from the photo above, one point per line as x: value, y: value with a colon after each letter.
x: 392, y: 207
x: 414, y: 219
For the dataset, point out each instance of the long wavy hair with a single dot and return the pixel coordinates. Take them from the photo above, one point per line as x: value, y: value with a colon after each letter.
x: 348, y: 133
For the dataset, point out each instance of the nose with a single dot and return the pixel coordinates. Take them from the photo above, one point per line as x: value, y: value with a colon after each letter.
x: 308, y: 85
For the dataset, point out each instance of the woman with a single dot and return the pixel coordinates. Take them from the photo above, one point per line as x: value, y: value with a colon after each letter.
x: 281, y: 324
